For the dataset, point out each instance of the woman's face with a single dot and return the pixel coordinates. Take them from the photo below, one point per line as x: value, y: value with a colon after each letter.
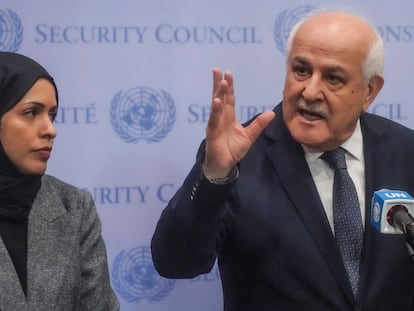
x: 27, y: 130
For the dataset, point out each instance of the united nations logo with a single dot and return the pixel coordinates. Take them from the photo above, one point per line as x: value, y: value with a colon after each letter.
x: 135, y: 278
x: 11, y: 31
x: 285, y: 22
x: 142, y: 113
x: 376, y: 212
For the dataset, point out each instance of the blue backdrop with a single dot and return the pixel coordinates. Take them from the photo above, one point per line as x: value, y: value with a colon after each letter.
x: 135, y: 87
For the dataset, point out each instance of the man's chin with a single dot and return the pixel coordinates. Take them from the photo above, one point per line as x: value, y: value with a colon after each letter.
x: 312, y: 141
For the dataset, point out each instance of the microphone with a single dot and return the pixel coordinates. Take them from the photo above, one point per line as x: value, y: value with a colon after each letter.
x: 391, y: 213
x: 398, y: 216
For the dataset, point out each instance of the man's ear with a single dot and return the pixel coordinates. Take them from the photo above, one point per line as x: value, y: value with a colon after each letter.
x: 373, y: 88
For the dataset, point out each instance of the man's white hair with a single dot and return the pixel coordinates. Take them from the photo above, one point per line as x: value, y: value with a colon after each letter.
x: 373, y: 64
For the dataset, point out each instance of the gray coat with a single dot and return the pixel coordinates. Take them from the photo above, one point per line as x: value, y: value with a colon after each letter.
x: 67, y: 265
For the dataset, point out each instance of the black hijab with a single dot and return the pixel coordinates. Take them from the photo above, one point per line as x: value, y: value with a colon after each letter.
x: 18, y: 73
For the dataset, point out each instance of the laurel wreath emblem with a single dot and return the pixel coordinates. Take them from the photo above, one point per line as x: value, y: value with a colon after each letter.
x: 285, y: 22
x: 161, y: 130
x: 12, y: 31
x: 132, y: 290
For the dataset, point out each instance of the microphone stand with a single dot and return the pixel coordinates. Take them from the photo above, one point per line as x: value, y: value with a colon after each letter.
x: 401, y: 218
x: 409, y: 238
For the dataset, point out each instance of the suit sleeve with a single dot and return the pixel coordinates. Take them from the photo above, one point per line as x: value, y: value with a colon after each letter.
x: 186, y: 238
x: 96, y: 292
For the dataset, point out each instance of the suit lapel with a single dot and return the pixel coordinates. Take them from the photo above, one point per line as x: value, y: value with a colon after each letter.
x: 49, y: 246
x: 376, y: 156
x: 288, y: 160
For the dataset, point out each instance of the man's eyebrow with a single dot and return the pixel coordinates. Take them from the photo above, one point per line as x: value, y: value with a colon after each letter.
x: 328, y: 68
x: 334, y: 69
x: 300, y: 60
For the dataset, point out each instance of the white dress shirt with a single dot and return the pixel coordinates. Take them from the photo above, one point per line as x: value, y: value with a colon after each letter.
x: 323, y: 175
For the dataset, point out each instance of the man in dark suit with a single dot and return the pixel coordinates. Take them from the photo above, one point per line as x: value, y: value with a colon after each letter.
x: 260, y: 196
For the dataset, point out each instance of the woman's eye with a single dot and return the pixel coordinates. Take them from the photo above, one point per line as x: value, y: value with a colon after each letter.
x: 31, y: 112
x: 52, y: 116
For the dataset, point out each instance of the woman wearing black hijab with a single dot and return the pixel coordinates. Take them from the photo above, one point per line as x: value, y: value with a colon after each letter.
x: 52, y: 255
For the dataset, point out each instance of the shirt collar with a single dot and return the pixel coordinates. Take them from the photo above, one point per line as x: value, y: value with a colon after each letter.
x: 353, y: 145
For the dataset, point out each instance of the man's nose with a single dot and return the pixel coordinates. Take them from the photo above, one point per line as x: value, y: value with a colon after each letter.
x: 313, y: 89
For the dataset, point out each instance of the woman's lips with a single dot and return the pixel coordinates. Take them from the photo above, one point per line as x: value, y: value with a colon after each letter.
x: 44, y: 152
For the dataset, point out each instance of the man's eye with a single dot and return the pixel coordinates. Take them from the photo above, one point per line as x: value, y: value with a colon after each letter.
x: 333, y: 79
x: 300, y: 70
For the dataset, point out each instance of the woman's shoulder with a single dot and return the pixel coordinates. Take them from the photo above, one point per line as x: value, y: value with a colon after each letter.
x: 57, y: 197
x: 56, y: 185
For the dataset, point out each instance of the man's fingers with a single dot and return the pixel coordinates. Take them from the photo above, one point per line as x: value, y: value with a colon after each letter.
x: 217, y: 77
x: 215, y: 113
x: 229, y: 78
x: 259, y: 124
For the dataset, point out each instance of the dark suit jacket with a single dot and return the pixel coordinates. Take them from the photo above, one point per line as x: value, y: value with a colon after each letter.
x: 67, y: 266
x: 269, y: 231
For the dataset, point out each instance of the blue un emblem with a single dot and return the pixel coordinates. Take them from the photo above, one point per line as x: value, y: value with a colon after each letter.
x: 285, y: 22
x: 142, y: 114
x: 135, y: 278
x: 11, y: 31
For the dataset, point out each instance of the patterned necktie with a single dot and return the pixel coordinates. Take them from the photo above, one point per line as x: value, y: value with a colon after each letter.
x: 347, y: 216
